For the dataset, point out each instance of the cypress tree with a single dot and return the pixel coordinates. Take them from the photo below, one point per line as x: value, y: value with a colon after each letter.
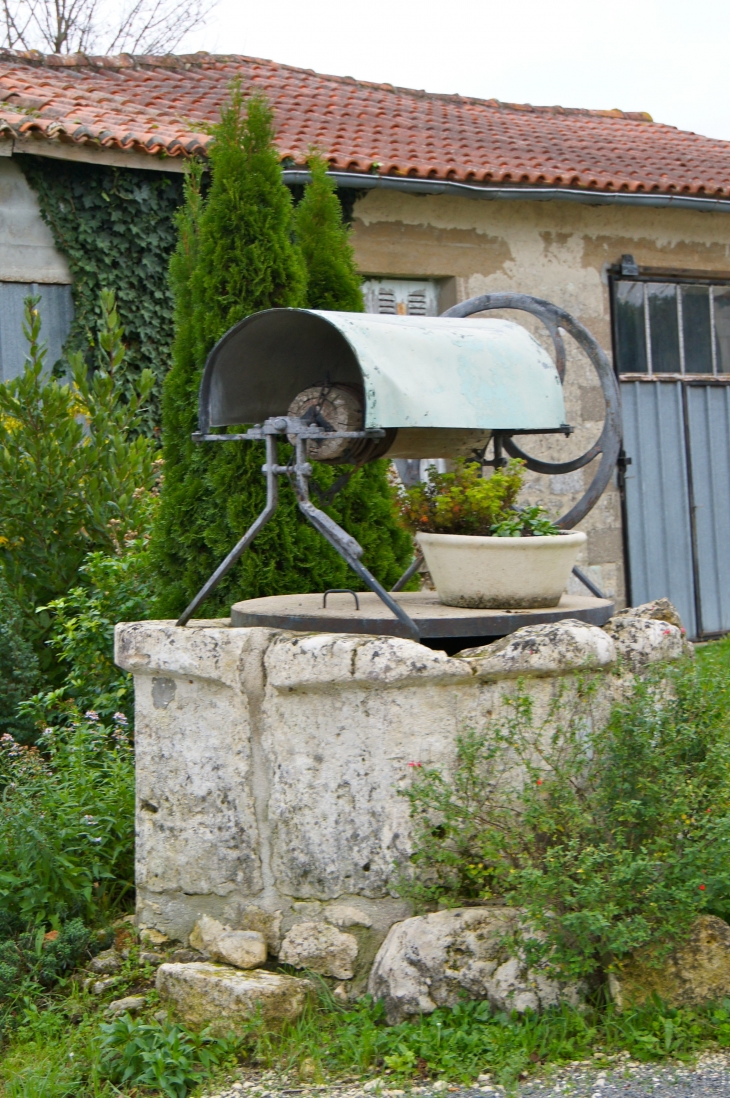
x: 332, y: 278
x: 333, y: 283
x: 236, y: 255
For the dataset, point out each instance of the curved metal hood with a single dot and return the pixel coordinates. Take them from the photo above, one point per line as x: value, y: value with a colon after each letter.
x: 415, y: 371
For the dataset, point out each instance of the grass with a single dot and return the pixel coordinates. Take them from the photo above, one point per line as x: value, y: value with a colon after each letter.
x: 53, y: 1040
x: 56, y: 1048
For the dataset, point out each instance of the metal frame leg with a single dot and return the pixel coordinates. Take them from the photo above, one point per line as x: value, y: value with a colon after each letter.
x: 410, y: 571
x: 272, y: 499
x: 346, y: 546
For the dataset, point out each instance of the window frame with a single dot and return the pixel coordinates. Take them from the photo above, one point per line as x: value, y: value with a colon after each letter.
x: 645, y: 276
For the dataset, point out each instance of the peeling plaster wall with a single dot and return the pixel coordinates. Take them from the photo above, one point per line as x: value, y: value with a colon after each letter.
x: 555, y: 250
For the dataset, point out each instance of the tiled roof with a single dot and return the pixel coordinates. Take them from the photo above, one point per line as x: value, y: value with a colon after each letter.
x: 166, y: 105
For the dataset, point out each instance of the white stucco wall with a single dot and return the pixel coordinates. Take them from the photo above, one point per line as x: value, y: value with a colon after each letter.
x: 27, y: 251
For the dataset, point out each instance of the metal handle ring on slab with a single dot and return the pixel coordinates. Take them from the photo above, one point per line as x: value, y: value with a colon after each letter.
x: 340, y: 591
x: 609, y: 441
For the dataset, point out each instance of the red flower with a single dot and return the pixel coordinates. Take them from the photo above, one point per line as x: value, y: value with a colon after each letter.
x: 416, y: 765
x: 539, y: 781
x: 702, y: 888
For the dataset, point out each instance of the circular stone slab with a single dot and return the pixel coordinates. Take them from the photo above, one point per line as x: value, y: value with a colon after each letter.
x: 305, y: 613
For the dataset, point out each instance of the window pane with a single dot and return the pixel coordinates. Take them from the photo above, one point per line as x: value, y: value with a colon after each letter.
x: 662, y: 299
x: 696, y: 328
x: 631, y: 349
x: 722, y: 329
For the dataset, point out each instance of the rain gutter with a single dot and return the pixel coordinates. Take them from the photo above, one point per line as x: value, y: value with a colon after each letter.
x: 363, y: 181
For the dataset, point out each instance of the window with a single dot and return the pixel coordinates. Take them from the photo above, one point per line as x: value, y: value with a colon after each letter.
x: 401, y: 297
x: 56, y: 308
x: 672, y: 327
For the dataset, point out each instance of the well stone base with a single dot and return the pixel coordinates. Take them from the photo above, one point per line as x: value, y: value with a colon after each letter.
x: 269, y: 763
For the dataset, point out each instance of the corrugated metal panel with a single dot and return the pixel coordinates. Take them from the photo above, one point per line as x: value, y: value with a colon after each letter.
x: 56, y: 308
x: 708, y: 411
x: 657, y: 497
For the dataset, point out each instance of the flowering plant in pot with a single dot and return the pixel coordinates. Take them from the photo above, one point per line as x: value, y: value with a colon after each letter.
x: 482, y: 550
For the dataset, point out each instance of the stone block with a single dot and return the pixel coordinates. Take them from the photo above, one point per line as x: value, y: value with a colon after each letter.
x: 320, y: 948
x: 268, y: 780
x: 222, y: 998
x: 552, y: 649
x: 695, y: 973
x: 241, y: 948
x: 344, y: 915
x: 440, y: 959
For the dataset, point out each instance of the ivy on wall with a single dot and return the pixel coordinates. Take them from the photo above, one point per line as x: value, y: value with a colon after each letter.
x: 116, y: 228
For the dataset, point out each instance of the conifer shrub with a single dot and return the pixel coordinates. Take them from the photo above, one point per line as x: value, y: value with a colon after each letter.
x: 236, y: 255
x: 332, y: 278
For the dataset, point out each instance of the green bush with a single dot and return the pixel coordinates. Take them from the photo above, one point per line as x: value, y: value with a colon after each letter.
x: 115, y: 588
x: 66, y: 823
x: 34, y: 957
x: 19, y: 671
x: 167, y: 1057
x: 619, y: 836
x: 235, y: 256
x: 71, y: 481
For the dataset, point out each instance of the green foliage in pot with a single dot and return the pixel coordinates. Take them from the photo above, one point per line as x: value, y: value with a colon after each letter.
x: 236, y: 255
x: 71, y: 481
x: 611, y: 837
x: 464, y: 502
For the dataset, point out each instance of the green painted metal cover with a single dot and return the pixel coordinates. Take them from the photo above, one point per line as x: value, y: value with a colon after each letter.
x: 416, y: 371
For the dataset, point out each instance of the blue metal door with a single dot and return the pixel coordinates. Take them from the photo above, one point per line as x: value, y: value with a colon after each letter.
x: 677, y: 497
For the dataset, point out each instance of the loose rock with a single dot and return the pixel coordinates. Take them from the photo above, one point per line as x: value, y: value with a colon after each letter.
x: 147, y: 957
x: 104, y: 964
x: 98, y: 987
x: 129, y: 1005
x: 206, y: 933
x: 321, y: 948
x: 695, y: 973
x: 242, y: 948
x: 220, y: 997
x: 436, y: 960
x: 153, y: 937
x: 186, y: 956
x: 267, y: 923
x: 344, y: 915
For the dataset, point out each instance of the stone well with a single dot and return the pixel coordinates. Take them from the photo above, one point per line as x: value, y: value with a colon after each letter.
x: 269, y: 763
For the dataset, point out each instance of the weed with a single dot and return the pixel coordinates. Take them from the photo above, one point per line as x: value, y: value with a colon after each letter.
x: 167, y: 1057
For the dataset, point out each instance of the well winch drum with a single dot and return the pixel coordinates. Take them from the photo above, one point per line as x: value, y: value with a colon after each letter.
x: 353, y: 387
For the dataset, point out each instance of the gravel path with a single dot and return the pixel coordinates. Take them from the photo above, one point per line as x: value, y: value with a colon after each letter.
x: 709, y: 1077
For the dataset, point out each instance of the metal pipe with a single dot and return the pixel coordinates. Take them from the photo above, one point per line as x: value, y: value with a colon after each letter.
x: 272, y: 498
x: 587, y: 582
x: 364, y: 181
x: 346, y: 546
x: 410, y: 571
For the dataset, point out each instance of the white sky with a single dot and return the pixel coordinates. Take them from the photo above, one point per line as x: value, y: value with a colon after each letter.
x: 662, y: 56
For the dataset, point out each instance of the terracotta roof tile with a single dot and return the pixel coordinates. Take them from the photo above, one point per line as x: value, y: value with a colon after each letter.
x: 166, y: 106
